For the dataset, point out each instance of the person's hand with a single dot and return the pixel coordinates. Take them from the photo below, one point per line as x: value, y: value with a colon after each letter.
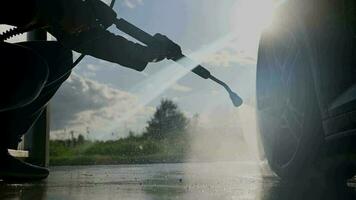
x: 164, y: 48
x: 74, y: 16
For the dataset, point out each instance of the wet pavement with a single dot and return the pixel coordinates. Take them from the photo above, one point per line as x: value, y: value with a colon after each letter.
x: 224, y: 180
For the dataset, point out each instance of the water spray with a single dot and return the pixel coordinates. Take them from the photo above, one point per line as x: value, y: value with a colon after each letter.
x: 199, y: 70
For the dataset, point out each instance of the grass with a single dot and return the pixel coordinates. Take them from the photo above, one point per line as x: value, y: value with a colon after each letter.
x: 132, y: 150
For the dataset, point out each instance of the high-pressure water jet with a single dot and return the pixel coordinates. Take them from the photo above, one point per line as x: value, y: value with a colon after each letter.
x: 199, y: 70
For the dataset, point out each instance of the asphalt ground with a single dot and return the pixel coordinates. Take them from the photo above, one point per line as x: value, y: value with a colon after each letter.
x: 222, y: 180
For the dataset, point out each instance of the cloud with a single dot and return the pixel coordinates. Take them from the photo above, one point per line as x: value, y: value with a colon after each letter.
x: 89, y: 74
x: 226, y: 58
x: 93, y: 68
x: 82, y: 103
x: 18, y: 38
x: 21, y: 37
x: 107, y: 1
x: 180, y: 88
x: 132, y: 3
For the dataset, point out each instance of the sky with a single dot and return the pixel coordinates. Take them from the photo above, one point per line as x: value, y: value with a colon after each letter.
x: 107, y: 100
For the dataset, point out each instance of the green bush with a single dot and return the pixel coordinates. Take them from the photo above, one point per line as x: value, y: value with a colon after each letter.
x: 163, y: 141
x: 124, y: 148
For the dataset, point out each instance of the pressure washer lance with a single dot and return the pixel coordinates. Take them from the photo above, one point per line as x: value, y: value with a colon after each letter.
x: 148, y: 39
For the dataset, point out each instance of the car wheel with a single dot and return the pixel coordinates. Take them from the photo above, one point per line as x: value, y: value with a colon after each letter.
x: 288, y: 113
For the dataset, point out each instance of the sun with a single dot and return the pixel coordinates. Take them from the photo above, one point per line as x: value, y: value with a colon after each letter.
x: 249, y: 18
x: 252, y: 16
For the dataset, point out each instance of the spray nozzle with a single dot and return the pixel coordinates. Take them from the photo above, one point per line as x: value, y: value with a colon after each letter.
x: 236, y: 100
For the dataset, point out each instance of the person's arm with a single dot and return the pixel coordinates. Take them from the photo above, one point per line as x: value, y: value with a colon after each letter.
x: 80, y: 25
x: 107, y: 46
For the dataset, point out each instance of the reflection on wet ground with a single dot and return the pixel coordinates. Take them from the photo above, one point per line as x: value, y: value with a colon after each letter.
x: 230, y: 180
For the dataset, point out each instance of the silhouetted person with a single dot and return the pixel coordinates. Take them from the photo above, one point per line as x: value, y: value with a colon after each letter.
x: 32, y: 72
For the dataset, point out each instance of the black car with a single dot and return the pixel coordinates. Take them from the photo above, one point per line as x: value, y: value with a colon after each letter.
x: 306, y: 89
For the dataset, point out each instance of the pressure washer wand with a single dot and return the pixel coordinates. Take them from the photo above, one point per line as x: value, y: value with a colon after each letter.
x: 149, y: 40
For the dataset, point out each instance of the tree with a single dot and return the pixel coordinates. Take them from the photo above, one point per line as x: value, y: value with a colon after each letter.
x: 167, y: 121
x: 80, y: 139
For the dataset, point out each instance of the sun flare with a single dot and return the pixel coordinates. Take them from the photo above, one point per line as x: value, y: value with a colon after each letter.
x: 252, y: 16
x: 249, y: 19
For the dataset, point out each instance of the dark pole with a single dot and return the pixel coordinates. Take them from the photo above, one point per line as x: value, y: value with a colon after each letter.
x: 37, y: 139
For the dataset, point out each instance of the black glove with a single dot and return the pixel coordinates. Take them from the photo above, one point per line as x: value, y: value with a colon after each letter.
x: 164, y: 48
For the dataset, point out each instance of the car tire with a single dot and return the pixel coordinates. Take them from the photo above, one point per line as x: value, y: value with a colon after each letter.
x: 288, y: 113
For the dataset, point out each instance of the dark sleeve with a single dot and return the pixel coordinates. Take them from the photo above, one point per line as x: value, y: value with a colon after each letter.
x: 18, y: 13
x: 104, y: 45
